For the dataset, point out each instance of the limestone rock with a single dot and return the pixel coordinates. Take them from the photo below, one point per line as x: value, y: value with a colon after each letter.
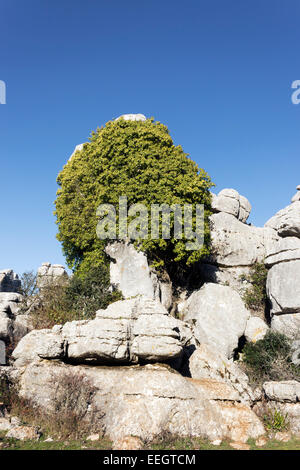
x: 131, y: 274
x: 288, y: 324
x: 23, y: 433
x: 9, y: 281
x: 284, y: 391
x: 231, y: 202
x: 132, y: 117
x: 38, y: 344
x: 147, y: 401
x: 256, y: 329
x: 2, y: 353
x: 287, y: 221
x: 220, y: 317
x: 283, y: 287
x: 285, y: 249
x: 51, y: 274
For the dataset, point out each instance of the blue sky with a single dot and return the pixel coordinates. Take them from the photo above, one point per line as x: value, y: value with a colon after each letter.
x: 217, y: 73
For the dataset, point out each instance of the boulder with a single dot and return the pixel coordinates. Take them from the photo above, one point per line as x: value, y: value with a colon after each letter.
x: 284, y: 391
x: 220, y: 317
x: 283, y: 287
x: 38, y: 344
x: 23, y: 433
x: 231, y: 202
x: 285, y: 249
x: 147, y: 401
x: 256, y: 329
x: 9, y: 281
x: 51, y: 274
x: 288, y: 324
x: 287, y: 221
x: 2, y: 353
x: 131, y: 274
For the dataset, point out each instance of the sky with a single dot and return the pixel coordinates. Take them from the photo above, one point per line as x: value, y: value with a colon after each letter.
x: 218, y: 73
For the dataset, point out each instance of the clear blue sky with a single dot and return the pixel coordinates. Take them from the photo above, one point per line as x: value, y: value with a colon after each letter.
x: 217, y: 73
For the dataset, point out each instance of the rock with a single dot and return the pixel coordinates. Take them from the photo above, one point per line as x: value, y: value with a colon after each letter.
x: 9, y: 281
x: 283, y: 287
x: 256, y: 329
x: 237, y: 244
x: 216, y: 442
x: 261, y: 441
x: 93, y: 437
x: 206, y: 363
x: 285, y: 249
x: 283, y: 436
x: 287, y: 221
x: 131, y: 274
x: 220, y: 317
x: 128, y: 443
x: 5, y: 424
x: 127, y: 331
x: 245, y: 209
x: 6, y: 329
x: 2, y: 353
x: 51, y: 274
x: 231, y: 202
x: 147, y: 401
x: 284, y: 391
x: 239, y: 446
x: 78, y: 148
x: 23, y: 433
x: 288, y: 325
x: 132, y: 117
x: 295, y: 348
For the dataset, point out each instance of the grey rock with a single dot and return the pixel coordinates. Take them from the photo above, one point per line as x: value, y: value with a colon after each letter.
x: 2, y: 353
x: 287, y: 324
x: 283, y: 287
x: 51, y: 274
x: 287, y: 221
x: 9, y: 281
x: 288, y: 390
x: 132, y: 117
x: 256, y: 329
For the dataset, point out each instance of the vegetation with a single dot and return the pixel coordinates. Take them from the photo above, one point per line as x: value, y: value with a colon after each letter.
x: 255, y: 296
x: 270, y: 359
x: 275, y: 421
x: 133, y: 159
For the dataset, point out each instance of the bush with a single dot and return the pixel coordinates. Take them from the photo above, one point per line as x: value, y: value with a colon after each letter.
x: 133, y: 159
x: 275, y: 421
x: 270, y: 359
x: 255, y: 296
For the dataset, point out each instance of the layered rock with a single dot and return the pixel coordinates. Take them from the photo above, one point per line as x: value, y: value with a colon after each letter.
x: 219, y: 315
x: 231, y: 202
x: 126, y: 332
x: 9, y: 281
x: 51, y: 274
x: 131, y: 274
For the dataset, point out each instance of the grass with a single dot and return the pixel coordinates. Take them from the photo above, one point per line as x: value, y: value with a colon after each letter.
x: 169, y: 444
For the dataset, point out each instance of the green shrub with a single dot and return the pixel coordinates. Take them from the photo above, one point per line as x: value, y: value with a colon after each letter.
x: 133, y: 159
x: 275, y: 421
x: 255, y: 296
x: 269, y: 358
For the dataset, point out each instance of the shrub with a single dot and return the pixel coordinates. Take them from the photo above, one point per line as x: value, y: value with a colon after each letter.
x: 28, y: 284
x: 255, y: 296
x: 133, y: 159
x: 269, y: 358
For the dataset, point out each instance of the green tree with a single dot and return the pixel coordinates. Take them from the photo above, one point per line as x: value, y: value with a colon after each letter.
x: 133, y: 159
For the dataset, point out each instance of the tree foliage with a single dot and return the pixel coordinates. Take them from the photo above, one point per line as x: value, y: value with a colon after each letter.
x: 133, y: 159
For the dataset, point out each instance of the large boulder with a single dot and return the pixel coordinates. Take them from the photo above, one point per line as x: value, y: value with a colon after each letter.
x: 147, y: 401
x: 287, y: 324
x: 287, y: 221
x: 284, y: 391
x: 231, y: 202
x: 220, y: 317
x: 2, y: 353
x: 131, y: 274
x: 51, y: 274
x: 9, y: 281
x: 126, y: 332
x: 283, y: 287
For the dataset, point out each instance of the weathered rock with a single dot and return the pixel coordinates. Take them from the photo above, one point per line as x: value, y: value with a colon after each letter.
x: 132, y: 117
x: 51, y: 274
x: 287, y: 221
x: 131, y: 274
x: 220, y: 316
x: 290, y: 411
x: 231, y: 202
x: 9, y: 303
x: 295, y: 348
x: 9, y: 281
x: 147, y: 401
x: 2, y: 353
x: 128, y: 443
x: 285, y: 249
x: 206, y: 363
x: 6, y: 329
x: 283, y: 287
x: 288, y: 324
x: 23, y: 433
x: 38, y: 344
x: 284, y: 391
x: 234, y: 277
x: 256, y: 329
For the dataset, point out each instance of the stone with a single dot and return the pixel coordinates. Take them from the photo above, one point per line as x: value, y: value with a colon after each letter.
x: 256, y: 329
x: 283, y: 436
x: 38, y: 344
x: 9, y: 281
x: 6, y: 329
x: 220, y: 317
x: 93, y: 437
x: 283, y: 287
x: 239, y: 446
x: 228, y: 200
x: 284, y: 391
x: 285, y: 249
x: 287, y: 221
x: 5, y: 424
x: 261, y: 441
x: 216, y: 442
x: 295, y: 348
x: 132, y: 117
x: 128, y: 443
x: 51, y: 274
x: 131, y: 274
x: 24, y: 433
x: 245, y: 209
x: 287, y: 324
x: 2, y: 353
x: 146, y: 401
x: 205, y: 363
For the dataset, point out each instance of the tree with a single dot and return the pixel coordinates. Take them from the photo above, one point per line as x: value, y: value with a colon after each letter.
x: 136, y: 159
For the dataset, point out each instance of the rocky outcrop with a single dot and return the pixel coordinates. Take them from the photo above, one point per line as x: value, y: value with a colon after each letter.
x: 51, y: 274
x: 284, y: 391
x: 9, y: 281
x: 131, y: 274
x: 287, y: 221
x: 148, y: 401
x: 126, y: 332
x: 219, y: 315
x: 231, y: 202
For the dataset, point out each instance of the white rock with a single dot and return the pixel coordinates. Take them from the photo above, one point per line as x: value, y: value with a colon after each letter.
x: 256, y: 329
x: 220, y: 317
x: 283, y: 287
x: 285, y: 249
x: 2, y: 353
x: 287, y: 221
x: 38, y: 344
x: 288, y: 390
x: 132, y: 117
x: 287, y: 324
x: 48, y: 274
